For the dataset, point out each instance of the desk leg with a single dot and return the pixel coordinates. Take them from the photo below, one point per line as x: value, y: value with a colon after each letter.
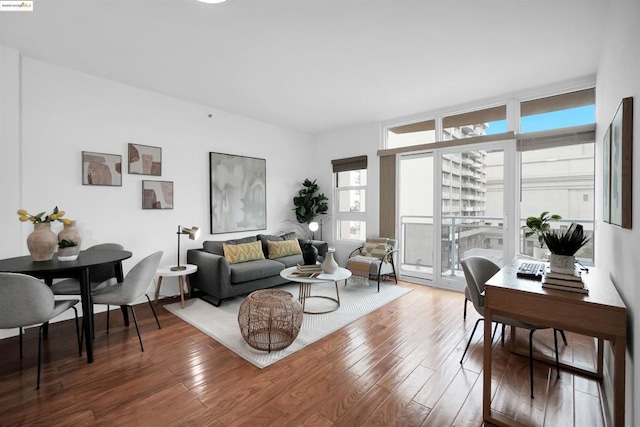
x: 600, y: 359
x: 620, y: 350
x: 85, y: 296
x: 486, y: 386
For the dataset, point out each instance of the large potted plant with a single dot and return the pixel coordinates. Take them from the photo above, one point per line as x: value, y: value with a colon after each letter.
x: 538, y: 225
x: 309, y: 203
x: 563, y: 246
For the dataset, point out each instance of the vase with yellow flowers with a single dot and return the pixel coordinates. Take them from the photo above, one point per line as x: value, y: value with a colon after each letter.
x: 42, y: 241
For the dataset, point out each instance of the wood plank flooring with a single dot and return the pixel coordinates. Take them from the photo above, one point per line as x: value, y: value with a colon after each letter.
x: 398, y: 366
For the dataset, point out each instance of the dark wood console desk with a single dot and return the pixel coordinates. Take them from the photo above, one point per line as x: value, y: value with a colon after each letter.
x: 600, y: 314
x: 79, y: 269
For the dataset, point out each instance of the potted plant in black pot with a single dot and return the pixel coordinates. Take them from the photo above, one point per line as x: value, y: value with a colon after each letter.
x: 563, y: 246
x: 308, y: 204
x: 538, y: 225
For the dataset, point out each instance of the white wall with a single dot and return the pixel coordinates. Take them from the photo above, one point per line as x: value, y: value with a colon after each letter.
x: 617, y: 249
x: 9, y: 149
x: 356, y: 141
x: 51, y: 114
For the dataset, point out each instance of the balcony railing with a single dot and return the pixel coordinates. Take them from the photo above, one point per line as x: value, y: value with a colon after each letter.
x: 464, y: 236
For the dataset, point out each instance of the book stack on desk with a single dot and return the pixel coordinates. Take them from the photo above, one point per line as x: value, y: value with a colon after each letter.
x: 564, y: 282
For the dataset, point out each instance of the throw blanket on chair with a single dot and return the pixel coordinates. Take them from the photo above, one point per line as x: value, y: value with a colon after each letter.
x: 373, y: 250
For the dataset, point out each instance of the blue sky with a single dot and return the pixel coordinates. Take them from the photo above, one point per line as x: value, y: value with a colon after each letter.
x: 554, y: 120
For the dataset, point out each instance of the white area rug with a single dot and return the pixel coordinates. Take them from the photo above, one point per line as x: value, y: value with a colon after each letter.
x: 221, y: 323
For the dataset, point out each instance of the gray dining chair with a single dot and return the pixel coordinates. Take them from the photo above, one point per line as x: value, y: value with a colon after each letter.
x: 26, y: 301
x: 477, y: 270
x: 100, y: 276
x: 134, y: 286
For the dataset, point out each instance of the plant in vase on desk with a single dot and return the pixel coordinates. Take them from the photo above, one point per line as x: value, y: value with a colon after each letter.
x: 538, y: 225
x: 42, y: 241
x: 563, y: 247
x: 68, y: 250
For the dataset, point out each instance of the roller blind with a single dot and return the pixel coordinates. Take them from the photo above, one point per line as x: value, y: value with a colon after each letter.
x: 349, y: 164
x: 476, y: 117
x: 558, y: 102
x: 556, y: 138
x: 414, y: 127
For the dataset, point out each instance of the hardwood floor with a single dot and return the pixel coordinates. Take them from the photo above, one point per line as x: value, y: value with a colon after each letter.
x: 399, y: 366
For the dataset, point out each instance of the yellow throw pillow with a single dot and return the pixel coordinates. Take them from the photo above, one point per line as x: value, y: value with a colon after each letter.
x: 243, y: 252
x: 283, y: 248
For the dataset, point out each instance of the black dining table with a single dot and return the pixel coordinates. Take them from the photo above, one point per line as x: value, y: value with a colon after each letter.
x: 78, y: 269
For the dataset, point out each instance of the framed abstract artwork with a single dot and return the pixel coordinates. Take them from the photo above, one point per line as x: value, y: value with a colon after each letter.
x: 101, y: 169
x: 157, y: 195
x: 621, y: 164
x: 145, y: 160
x: 238, y: 193
x: 606, y: 176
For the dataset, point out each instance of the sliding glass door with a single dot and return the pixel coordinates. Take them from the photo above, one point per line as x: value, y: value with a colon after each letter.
x: 454, y: 203
x: 416, y: 207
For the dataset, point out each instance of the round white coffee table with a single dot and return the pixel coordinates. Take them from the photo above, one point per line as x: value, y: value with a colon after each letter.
x: 180, y: 274
x: 307, y: 282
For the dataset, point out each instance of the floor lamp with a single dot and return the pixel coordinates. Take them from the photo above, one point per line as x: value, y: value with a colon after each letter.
x: 313, y: 226
x: 194, y: 233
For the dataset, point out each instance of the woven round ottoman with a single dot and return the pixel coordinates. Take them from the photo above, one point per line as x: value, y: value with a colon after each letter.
x: 270, y: 319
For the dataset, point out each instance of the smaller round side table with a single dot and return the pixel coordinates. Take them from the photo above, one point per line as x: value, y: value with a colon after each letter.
x: 270, y: 319
x: 180, y: 274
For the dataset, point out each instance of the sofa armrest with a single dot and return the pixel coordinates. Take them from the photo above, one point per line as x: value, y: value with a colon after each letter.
x: 213, y: 275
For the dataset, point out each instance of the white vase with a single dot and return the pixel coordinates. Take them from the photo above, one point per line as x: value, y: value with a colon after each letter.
x: 69, y: 232
x: 564, y: 264
x: 540, y: 253
x: 68, y: 254
x: 329, y: 265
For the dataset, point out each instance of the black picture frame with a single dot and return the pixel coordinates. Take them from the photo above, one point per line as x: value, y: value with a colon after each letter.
x: 606, y: 176
x: 157, y: 194
x: 145, y: 160
x: 237, y: 193
x: 621, y: 174
x: 101, y: 169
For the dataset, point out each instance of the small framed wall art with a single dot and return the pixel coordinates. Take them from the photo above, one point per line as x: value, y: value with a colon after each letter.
x: 101, y: 169
x: 145, y: 160
x: 157, y: 194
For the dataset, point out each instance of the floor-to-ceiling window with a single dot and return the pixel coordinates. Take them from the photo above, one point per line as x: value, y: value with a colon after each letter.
x: 474, y: 176
x: 557, y: 163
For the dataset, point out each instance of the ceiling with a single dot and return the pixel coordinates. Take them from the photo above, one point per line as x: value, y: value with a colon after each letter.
x: 317, y: 65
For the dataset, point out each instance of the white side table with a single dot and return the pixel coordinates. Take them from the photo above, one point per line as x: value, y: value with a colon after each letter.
x: 180, y: 274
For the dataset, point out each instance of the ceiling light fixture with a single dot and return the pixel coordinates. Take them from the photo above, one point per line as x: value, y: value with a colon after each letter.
x: 212, y: 1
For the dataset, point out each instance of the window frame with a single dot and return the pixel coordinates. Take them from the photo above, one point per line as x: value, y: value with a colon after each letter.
x: 360, y: 216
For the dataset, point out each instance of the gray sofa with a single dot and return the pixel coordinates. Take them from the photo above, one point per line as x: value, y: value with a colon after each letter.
x: 217, y: 279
